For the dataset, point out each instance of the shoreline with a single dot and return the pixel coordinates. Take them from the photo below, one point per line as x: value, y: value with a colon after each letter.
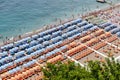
x: 54, y: 24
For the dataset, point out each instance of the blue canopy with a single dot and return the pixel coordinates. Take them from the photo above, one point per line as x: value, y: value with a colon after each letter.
x: 8, y: 46
x: 14, y: 70
x: 63, y: 48
x: 76, y: 31
x: 56, y: 50
x: 5, y: 66
x: 37, y: 53
x: 86, y: 27
x: 52, y: 30
x: 24, y: 46
x: 56, y: 39
x: 108, y: 28
x: 31, y: 49
x: 55, y: 34
x: 58, y: 43
x: 105, y: 25
x: 71, y: 28
x: 30, y: 63
x: 13, y: 50
x: 17, y: 61
x: 42, y: 57
x: 60, y: 27
x: 83, y: 23
x: 47, y: 37
x: 67, y: 24
x: 33, y: 43
x: 76, y: 21
x: 64, y: 36
x: 115, y: 30
x: 118, y: 34
x: 22, y: 41
x: 35, y: 36
x: 39, y: 46
x: 3, y: 54
x: 50, y: 46
x: 46, y: 43
x: 6, y: 60
x: 40, y: 40
x: 20, y: 54
x: 50, y: 53
x: 93, y: 28
x: 69, y: 34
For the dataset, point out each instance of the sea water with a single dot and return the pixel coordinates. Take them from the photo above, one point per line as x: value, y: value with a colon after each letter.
x: 20, y: 16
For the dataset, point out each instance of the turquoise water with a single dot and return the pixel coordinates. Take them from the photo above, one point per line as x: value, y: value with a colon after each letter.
x: 21, y: 16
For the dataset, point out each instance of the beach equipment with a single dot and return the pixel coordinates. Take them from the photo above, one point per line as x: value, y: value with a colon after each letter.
x: 83, y: 23
x: 55, y: 34
x: 13, y: 50
x: 22, y: 41
x: 74, y: 22
x: 60, y: 27
x: 38, y: 46
x: 86, y: 27
x: 108, y: 28
x: 7, y: 47
x: 46, y: 43
x: 29, y: 64
x: 19, y: 54
x: 34, y: 37
x: 66, y: 25
x: 71, y: 28
x: 105, y: 25
x: 30, y: 50
x: 93, y: 28
x: 114, y: 31
x: 33, y: 43
x: 118, y: 34
x: 6, y: 60
x: 13, y: 71
x: 40, y: 40
x: 56, y: 39
x: 47, y: 37
x: 22, y: 59
x: 24, y: 46
x: 3, y: 54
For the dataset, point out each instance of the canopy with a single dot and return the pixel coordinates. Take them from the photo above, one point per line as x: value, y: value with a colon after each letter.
x: 40, y: 40
x: 93, y: 28
x: 56, y: 39
x: 82, y: 23
x: 114, y: 31
x: 118, y: 34
x: 105, y: 24
x: 71, y: 28
x: 46, y: 43
x: 13, y: 50
x: 35, y: 36
x: 33, y: 43
x: 8, y: 46
x: 76, y: 21
x: 14, y: 70
x: 108, y: 28
x: 55, y: 34
x: 30, y: 63
x: 3, y: 54
x: 88, y: 26
x: 22, y: 47
x: 47, y: 37
x: 20, y: 54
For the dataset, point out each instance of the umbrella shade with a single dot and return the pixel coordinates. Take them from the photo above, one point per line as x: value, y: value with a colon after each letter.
x: 14, y: 50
